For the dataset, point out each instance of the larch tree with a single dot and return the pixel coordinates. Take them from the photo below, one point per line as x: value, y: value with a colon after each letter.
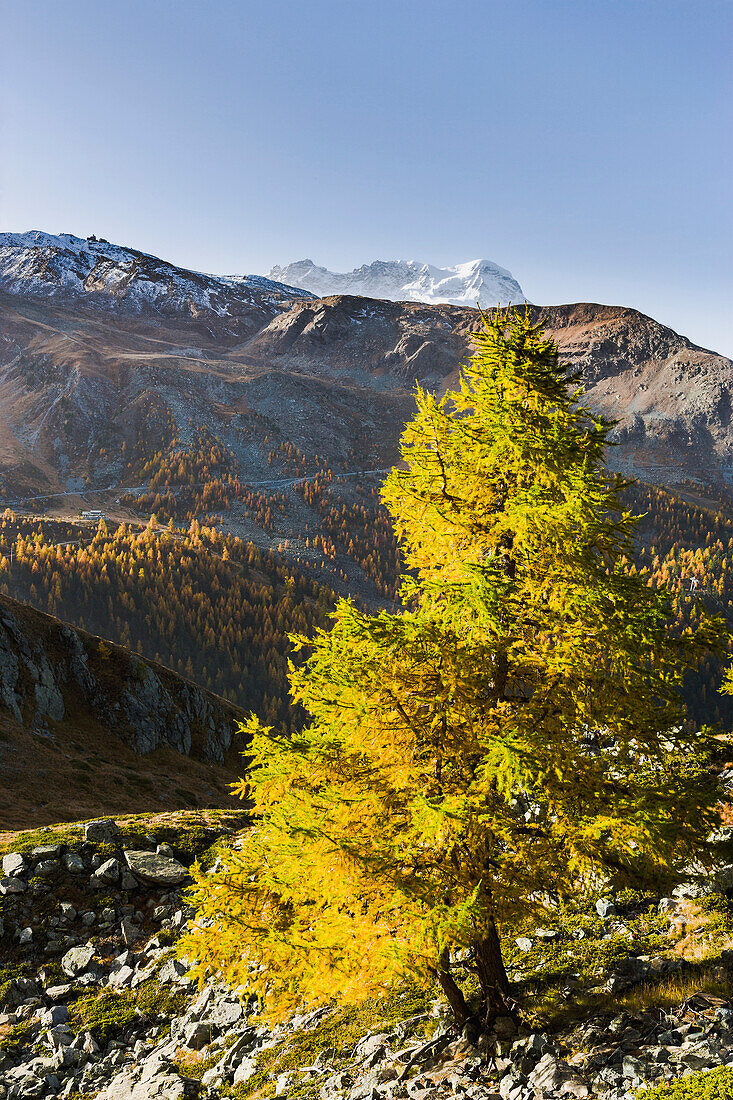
x: 509, y: 736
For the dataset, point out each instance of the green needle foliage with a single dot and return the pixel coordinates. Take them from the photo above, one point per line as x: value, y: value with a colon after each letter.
x: 510, y: 737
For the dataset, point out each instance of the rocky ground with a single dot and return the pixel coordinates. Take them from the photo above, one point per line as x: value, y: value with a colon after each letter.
x: 94, y: 1001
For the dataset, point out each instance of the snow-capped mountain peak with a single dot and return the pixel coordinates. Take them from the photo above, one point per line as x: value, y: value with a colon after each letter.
x: 45, y: 264
x: 466, y: 284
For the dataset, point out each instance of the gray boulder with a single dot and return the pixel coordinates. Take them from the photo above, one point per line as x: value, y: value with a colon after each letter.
x: 157, y: 1081
x: 511, y: 1086
x: 109, y: 871
x: 122, y: 977
x: 48, y: 867
x: 248, y: 1067
x: 101, y: 832
x: 634, y: 1069
x: 159, y: 869
x: 226, y: 1013
x: 552, y: 1075
x: 693, y: 889
x: 77, y: 960
x: 173, y: 970
x: 12, y: 885
x: 336, y: 1085
x: 73, y: 863
x: 51, y: 1017
x: 197, y: 1035
x: 13, y: 864
x: 47, y: 851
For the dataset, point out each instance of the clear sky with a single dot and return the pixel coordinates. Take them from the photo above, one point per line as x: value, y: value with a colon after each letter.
x: 583, y: 144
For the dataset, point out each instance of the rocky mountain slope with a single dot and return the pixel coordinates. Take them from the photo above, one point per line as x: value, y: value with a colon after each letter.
x: 95, y: 1002
x: 477, y: 282
x: 87, y: 726
x: 670, y: 397
x: 108, y: 275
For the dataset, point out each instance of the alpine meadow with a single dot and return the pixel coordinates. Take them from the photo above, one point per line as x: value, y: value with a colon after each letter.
x: 509, y: 738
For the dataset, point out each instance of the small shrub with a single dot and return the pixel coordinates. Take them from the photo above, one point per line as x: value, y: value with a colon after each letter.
x: 717, y: 905
x: 671, y: 991
x: 635, y: 901
x: 710, y: 1084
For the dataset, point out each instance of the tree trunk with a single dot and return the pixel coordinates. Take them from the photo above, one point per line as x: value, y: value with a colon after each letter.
x: 501, y: 661
x: 452, y: 991
x: 492, y: 976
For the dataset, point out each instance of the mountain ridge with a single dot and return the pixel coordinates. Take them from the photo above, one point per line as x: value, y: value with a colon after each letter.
x: 83, y: 393
x: 45, y: 264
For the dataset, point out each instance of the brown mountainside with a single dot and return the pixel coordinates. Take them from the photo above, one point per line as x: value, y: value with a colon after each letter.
x: 87, y: 397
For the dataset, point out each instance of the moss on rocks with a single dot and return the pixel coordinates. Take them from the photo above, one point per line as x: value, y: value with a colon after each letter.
x: 109, y: 1013
x: 25, y: 842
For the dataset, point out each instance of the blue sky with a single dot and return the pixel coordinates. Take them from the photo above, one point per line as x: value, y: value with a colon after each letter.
x: 584, y: 145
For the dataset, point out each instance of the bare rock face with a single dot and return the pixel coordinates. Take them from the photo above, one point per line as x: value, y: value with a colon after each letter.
x: 387, y: 344
x: 671, y: 398
x: 44, y: 664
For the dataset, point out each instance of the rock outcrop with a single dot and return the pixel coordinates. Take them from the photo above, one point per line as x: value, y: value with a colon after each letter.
x: 47, y: 667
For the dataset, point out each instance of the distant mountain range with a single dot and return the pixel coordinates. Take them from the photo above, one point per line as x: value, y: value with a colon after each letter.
x: 109, y: 355
x: 475, y: 282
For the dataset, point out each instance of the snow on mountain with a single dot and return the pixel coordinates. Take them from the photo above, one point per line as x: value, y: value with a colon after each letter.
x: 43, y: 264
x: 407, y: 281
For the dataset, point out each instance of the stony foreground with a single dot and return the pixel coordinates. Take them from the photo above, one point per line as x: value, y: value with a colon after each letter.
x: 94, y: 1003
